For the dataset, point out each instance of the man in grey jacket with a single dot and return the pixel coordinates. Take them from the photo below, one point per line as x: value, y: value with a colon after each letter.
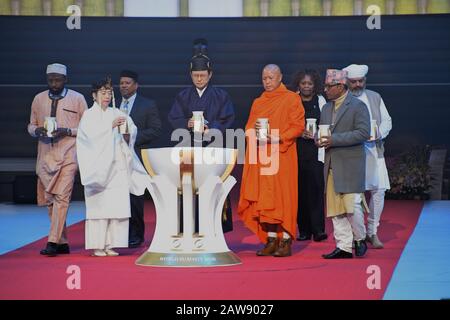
x: 345, y: 164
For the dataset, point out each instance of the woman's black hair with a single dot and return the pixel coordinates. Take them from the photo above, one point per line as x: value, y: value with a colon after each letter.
x: 103, y: 83
x: 315, y: 77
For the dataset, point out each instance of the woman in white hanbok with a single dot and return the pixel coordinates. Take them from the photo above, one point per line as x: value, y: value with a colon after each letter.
x: 109, y: 170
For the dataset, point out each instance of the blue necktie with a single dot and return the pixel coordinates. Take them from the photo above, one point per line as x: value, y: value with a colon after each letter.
x: 125, y: 107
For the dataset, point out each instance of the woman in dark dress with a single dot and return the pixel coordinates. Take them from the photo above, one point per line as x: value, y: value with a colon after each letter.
x: 310, y: 218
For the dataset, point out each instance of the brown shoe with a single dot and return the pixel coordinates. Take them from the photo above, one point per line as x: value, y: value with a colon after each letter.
x: 375, y: 242
x: 284, y: 248
x: 270, y: 247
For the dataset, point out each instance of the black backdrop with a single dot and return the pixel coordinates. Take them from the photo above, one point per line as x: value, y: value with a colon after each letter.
x: 409, y: 60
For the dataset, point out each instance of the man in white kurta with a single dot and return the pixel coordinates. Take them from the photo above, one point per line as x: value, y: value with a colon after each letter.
x: 377, y: 179
x: 110, y: 171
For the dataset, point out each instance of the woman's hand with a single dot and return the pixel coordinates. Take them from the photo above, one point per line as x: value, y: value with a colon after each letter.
x: 119, y: 121
x: 307, y: 135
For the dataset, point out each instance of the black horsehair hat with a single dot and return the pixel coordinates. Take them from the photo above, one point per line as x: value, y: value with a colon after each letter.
x: 200, y: 60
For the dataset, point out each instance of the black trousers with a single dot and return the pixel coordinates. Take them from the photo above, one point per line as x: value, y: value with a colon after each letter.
x: 137, y: 225
x: 310, y: 217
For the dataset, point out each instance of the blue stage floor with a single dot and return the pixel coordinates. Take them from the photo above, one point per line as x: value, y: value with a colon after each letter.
x: 22, y: 224
x: 423, y: 271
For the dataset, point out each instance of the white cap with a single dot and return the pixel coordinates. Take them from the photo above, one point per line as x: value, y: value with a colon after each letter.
x: 57, y: 68
x: 356, y: 71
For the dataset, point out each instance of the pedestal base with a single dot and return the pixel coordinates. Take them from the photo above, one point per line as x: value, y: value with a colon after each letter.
x: 158, y: 259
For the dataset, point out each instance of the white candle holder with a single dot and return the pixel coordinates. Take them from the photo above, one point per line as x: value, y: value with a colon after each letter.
x: 263, y: 132
x: 373, y: 130
x: 324, y: 131
x: 311, y: 125
x: 50, y: 125
x: 199, y: 121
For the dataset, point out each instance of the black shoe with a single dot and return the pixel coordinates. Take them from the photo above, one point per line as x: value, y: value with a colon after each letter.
x: 320, y: 237
x: 360, y: 248
x: 303, y: 237
x: 50, y: 250
x: 63, y: 248
x: 338, y: 254
x: 135, y: 243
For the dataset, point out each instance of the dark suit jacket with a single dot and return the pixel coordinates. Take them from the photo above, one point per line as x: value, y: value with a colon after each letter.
x: 145, y: 116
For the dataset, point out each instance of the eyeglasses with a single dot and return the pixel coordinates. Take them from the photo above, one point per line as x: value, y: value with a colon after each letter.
x: 329, y: 86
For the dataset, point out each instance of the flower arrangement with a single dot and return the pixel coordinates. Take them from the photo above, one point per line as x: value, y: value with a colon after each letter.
x: 409, y: 174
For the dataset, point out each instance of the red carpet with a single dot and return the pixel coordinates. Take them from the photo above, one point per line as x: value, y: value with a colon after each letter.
x: 24, y: 274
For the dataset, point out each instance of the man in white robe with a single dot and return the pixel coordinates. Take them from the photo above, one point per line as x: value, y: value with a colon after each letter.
x: 377, y: 179
x: 110, y: 170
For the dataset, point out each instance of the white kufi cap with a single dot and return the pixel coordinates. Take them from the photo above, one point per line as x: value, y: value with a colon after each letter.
x: 57, y: 68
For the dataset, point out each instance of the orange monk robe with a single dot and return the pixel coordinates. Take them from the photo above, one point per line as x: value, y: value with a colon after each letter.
x: 273, y: 198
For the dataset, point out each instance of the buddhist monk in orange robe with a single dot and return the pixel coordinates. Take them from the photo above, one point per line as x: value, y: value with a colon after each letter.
x: 268, y: 197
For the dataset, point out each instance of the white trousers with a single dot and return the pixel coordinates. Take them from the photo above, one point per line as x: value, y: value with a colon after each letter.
x: 342, y: 231
x: 349, y: 227
x: 106, y: 233
x: 376, y: 205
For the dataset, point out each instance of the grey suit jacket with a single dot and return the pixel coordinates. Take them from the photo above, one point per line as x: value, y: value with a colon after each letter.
x: 346, y: 156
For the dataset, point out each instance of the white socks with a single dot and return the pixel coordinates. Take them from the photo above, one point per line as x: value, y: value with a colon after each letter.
x: 272, y: 234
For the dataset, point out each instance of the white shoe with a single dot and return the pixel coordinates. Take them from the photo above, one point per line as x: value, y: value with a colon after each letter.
x: 111, y: 252
x: 99, y: 253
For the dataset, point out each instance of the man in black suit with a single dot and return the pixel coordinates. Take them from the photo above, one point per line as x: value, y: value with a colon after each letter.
x: 145, y: 115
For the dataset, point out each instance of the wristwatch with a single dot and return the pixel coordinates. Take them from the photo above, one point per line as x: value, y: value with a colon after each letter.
x: 69, y: 132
